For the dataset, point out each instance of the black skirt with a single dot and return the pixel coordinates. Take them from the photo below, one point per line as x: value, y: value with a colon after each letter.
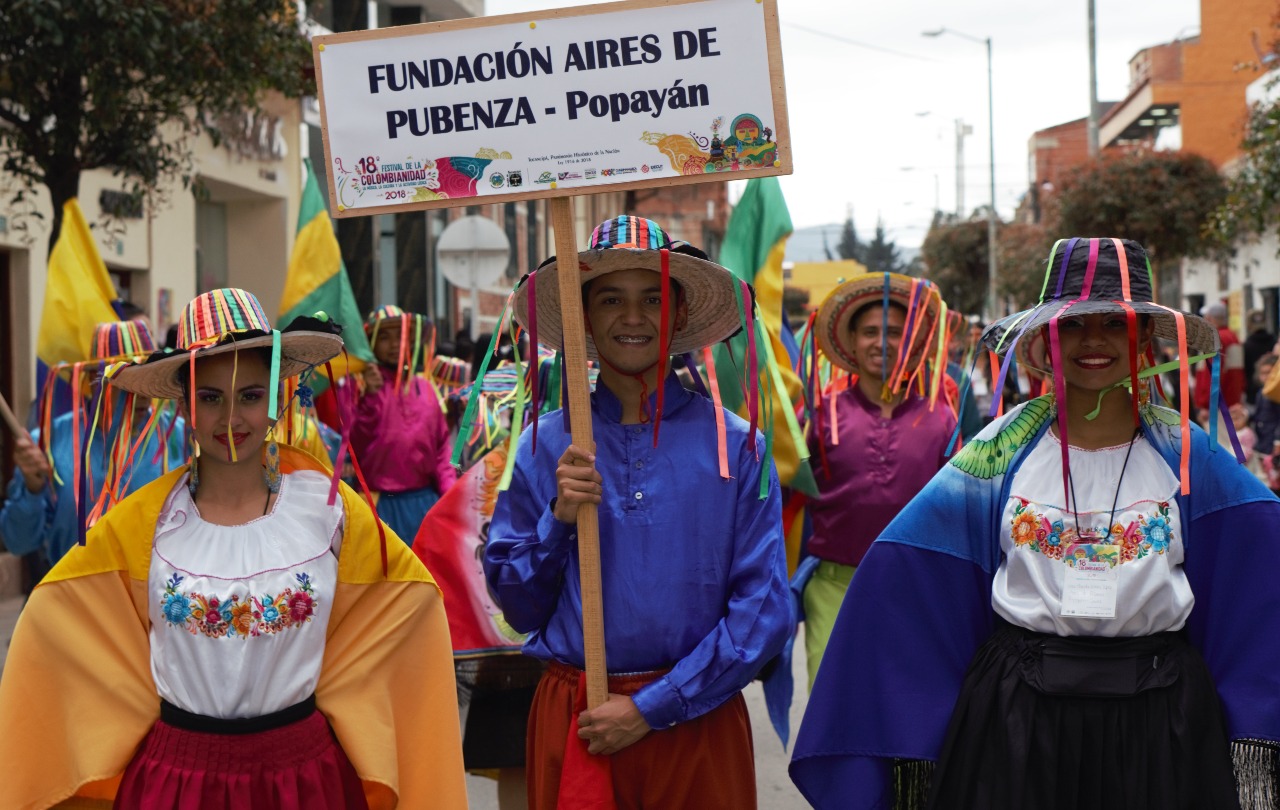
x: 495, y: 693
x: 1066, y: 724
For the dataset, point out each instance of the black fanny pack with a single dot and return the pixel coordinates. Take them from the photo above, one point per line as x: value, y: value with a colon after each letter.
x: 1098, y: 667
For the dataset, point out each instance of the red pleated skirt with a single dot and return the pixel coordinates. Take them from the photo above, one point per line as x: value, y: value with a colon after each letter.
x: 299, y: 766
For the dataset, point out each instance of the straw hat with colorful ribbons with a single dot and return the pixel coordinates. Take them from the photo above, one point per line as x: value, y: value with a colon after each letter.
x: 449, y: 374
x: 113, y: 342
x: 921, y: 360
x: 718, y: 307
x: 717, y: 304
x: 626, y: 243
x: 414, y: 330
x: 1086, y: 276
x: 924, y: 311
x: 229, y: 320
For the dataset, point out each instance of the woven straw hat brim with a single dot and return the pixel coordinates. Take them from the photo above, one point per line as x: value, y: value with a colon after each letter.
x: 832, y: 323
x: 1202, y: 336
x: 714, y: 313
x: 299, y: 351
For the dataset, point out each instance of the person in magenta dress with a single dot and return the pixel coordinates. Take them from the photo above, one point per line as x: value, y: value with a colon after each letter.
x: 399, y: 433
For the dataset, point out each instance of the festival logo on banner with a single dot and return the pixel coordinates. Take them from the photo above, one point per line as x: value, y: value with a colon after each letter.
x: 413, y: 180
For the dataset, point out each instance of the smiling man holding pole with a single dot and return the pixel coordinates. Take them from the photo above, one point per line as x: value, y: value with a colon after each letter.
x: 692, y: 562
x: 680, y: 574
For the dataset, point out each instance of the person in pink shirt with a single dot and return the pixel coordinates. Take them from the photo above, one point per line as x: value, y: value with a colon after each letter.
x: 399, y: 434
x: 879, y: 442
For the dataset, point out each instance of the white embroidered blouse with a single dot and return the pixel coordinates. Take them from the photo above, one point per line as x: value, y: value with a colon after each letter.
x: 239, y: 613
x: 1039, y: 541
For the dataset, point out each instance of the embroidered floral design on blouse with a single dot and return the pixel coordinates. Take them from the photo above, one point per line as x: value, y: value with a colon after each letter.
x: 1034, y: 531
x: 256, y: 616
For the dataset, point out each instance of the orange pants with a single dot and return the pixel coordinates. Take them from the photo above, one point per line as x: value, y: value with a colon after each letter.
x: 706, y: 763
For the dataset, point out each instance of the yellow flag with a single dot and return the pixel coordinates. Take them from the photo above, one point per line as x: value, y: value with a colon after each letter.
x: 77, y: 295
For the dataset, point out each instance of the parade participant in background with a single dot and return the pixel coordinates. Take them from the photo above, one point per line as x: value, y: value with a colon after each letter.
x: 1074, y: 581
x: 881, y: 440
x: 399, y: 432
x: 41, y: 512
x: 1231, y: 380
x: 982, y: 375
x: 1257, y: 343
x: 252, y: 642
x: 1266, y: 420
x: 693, y: 562
x: 971, y: 420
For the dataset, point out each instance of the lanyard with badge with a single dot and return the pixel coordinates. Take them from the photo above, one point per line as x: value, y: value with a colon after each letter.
x: 1092, y: 583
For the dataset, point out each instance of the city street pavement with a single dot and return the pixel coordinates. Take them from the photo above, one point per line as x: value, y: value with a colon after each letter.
x: 773, y: 786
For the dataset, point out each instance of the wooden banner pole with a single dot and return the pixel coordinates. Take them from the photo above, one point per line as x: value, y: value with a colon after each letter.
x: 12, y: 421
x: 579, y: 405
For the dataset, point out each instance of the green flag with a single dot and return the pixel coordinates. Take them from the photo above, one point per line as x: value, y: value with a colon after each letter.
x: 317, y: 281
x: 753, y: 248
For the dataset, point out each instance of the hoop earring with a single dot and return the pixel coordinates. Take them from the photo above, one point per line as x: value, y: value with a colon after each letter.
x: 271, y: 469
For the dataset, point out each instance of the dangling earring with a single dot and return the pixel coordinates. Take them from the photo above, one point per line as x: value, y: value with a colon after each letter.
x: 271, y: 469
x: 193, y: 480
x: 1144, y: 385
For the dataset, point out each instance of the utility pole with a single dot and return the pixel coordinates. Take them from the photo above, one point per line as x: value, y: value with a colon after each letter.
x: 1093, y: 84
x: 962, y: 129
x: 992, y: 308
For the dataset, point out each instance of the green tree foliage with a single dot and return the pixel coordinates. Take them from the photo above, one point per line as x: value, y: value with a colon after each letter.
x: 881, y: 254
x: 1253, y: 192
x: 1021, y: 252
x: 955, y: 254
x: 1162, y: 199
x: 126, y: 84
x: 849, y: 247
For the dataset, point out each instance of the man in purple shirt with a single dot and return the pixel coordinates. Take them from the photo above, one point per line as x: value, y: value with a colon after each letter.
x: 693, y: 566
x: 882, y: 441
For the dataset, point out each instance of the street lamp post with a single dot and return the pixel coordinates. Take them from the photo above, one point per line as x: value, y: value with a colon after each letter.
x: 992, y: 310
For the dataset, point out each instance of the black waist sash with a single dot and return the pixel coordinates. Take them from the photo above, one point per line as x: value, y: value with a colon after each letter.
x: 1096, y: 667
x: 188, y: 721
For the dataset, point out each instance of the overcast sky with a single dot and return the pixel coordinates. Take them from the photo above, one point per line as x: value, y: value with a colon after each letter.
x: 873, y: 104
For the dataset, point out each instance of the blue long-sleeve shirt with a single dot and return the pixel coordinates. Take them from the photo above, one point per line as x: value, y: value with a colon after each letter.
x: 693, y: 566
x: 47, y: 519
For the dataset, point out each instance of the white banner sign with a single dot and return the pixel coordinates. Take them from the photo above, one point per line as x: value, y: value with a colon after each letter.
x: 650, y: 92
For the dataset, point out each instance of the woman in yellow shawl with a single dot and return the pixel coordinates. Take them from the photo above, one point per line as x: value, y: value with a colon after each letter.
x: 239, y: 633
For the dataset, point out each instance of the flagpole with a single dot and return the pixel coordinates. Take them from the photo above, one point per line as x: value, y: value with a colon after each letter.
x: 579, y: 405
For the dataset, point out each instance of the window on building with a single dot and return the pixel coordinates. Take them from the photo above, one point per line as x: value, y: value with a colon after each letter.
x: 211, y: 246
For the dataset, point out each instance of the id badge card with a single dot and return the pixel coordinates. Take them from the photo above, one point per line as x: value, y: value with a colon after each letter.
x: 1092, y: 582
